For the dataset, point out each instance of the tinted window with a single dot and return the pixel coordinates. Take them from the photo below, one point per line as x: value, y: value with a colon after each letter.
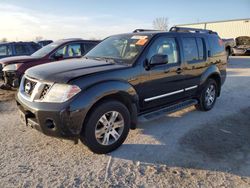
x: 164, y: 46
x: 88, y: 47
x: 21, y: 49
x: 5, y: 50
x: 190, y: 49
x: 216, y: 45
x: 201, y: 48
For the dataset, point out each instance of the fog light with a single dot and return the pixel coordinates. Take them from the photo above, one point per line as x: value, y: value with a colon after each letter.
x: 50, y: 124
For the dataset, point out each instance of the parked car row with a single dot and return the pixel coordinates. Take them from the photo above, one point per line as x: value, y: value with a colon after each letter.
x: 98, y: 98
x: 13, y: 68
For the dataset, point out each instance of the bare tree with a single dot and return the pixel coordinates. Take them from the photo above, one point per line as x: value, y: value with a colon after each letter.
x: 4, y: 40
x: 160, y: 23
x: 38, y: 38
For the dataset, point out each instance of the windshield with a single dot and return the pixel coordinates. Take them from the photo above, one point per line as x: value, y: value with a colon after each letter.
x: 45, y: 50
x: 124, y: 48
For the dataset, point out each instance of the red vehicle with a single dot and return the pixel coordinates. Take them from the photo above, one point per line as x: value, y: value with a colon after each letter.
x: 13, y: 68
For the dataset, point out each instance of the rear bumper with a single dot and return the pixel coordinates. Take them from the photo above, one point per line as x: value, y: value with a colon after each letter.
x: 51, y: 119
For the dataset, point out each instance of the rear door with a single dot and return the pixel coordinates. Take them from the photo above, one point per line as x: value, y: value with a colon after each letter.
x: 194, y: 57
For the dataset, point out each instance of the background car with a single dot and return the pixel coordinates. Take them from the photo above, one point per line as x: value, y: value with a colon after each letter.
x: 43, y: 43
x: 14, y: 67
x: 242, y: 46
x: 8, y: 49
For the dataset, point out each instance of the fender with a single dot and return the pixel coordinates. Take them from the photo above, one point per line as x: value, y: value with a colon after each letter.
x: 81, y: 105
x: 212, y: 70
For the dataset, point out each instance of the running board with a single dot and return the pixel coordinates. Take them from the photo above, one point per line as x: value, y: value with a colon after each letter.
x: 163, y: 111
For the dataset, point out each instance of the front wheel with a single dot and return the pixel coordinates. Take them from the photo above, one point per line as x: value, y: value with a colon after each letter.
x: 107, y: 127
x: 208, y: 96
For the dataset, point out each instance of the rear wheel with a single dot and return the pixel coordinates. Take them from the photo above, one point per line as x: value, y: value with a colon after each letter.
x: 107, y: 127
x: 208, y: 96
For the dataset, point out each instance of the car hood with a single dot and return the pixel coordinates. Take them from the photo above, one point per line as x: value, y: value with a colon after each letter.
x: 66, y: 70
x: 17, y: 59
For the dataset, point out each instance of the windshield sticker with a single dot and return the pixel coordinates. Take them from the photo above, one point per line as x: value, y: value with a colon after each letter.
x: 139, y: 37
x: 141, y: 42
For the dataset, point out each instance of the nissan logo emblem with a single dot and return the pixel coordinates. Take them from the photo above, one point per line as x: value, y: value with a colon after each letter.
x: 27, y: 87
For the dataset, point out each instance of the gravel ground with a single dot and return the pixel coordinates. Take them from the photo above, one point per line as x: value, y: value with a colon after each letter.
x: 183, y: 149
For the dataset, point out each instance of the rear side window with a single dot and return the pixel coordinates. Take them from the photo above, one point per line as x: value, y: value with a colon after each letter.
x: 190, y: 49
x: 21, y: 49
x: 216, y: 45
x: 88, y: 47
x: 5, y: 50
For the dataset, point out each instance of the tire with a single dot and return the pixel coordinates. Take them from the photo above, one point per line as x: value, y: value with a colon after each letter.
x: 205, y: 102
x: 228, y: 52
x: 98, y: 131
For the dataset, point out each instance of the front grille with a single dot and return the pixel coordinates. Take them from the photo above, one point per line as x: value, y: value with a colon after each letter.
x: 29, y: 86
x: 45, y: 91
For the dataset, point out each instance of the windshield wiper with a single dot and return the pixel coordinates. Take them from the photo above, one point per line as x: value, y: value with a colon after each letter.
x: 106, y: 59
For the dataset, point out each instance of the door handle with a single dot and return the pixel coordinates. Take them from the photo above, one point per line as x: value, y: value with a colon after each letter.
x: 179, y: 71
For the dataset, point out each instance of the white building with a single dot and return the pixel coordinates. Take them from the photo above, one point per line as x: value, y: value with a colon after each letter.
x: 226, y: 28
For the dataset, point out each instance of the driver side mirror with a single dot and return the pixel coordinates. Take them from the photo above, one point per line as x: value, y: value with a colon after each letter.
x: 58, y: 56
x: 158, y: 59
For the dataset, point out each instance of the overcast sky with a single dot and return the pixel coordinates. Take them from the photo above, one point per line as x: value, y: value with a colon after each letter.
x: 27, y: 19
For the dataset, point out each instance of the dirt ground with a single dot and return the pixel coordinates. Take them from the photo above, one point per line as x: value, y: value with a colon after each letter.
x: 183, y: 149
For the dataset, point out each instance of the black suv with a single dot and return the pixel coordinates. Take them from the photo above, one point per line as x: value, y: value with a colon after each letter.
x: 9, y: 49
x: 99, y: 98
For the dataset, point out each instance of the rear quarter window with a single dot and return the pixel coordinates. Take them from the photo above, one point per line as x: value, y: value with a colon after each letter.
x: 216, y: 45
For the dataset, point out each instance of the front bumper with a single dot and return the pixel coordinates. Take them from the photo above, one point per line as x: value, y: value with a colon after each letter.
x: 51, y: 119
x: 1, y: 71
x: 11, y: 78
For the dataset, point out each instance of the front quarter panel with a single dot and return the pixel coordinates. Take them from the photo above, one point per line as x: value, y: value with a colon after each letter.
x: 80, y: 106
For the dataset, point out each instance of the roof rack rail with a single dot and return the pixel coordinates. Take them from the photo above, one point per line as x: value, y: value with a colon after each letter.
x: 143, y: 30
x: 186, y: 29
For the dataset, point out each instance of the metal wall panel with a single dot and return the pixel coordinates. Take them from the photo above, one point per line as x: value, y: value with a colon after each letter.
x: 226, y: 29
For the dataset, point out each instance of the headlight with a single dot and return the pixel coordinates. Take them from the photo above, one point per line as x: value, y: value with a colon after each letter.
x: 12, y: 67
x: 59, y: 93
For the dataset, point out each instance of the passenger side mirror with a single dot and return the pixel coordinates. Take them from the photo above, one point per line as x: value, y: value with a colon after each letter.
x: 158, y: 59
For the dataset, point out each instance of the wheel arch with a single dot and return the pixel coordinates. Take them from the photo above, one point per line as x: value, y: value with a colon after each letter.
x: 109, y: 90
x: 212, y: 73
